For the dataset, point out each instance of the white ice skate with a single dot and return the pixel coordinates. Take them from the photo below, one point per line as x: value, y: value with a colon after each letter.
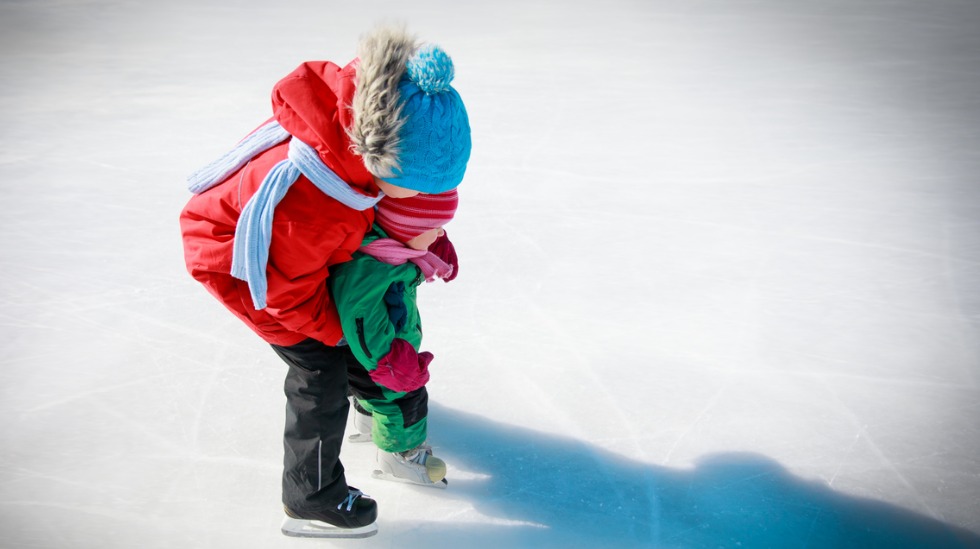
x: 362, y: 423
x: 416, y: 466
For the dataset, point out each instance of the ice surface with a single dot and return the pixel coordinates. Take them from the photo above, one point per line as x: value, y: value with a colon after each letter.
x: 720, y: 279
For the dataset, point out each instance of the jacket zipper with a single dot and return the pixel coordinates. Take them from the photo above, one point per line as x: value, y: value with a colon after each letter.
x: 360, y: 336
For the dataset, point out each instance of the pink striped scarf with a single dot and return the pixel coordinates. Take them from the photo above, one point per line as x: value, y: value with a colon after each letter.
x: 393, y: 252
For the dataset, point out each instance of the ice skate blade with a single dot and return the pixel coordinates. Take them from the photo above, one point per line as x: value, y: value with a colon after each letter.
x: 358, y: 438
x: 300, y: 528
x: 442, y: 484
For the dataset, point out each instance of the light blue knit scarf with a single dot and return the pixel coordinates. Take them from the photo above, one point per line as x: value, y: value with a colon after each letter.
x: 253, y: 234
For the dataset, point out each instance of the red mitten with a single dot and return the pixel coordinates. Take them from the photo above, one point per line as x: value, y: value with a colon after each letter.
x: 402, y: 369
x: 445, y: 250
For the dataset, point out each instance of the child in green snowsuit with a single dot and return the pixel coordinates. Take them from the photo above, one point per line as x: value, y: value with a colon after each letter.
x: 375, y: 294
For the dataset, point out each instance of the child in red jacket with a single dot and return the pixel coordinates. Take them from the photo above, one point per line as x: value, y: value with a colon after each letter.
x: 297, y: 196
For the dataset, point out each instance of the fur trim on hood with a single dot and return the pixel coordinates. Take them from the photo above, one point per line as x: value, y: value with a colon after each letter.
x: 378, y: 118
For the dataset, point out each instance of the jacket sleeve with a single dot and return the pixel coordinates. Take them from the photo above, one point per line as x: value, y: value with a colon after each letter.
x: 359, y: 293
x: 297, y: 272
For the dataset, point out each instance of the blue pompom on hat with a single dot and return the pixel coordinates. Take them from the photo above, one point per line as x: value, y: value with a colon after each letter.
x: 435, y: 139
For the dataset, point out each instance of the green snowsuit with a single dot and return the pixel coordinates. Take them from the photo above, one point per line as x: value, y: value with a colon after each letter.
x: 377, y: 303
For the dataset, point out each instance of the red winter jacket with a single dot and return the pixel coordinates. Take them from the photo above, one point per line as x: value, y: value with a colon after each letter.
x: 310, y: 230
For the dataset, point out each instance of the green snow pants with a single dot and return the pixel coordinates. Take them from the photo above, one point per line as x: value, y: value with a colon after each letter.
x: 400, y: 419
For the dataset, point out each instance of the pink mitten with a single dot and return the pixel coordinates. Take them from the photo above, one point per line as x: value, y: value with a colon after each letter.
x: 445, y: 250
x: 402, y: 369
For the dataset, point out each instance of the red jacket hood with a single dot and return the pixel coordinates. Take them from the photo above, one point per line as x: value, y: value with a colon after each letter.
x: 312, y: 103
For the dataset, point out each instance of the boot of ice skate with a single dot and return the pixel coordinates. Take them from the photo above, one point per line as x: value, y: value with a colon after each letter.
x: 354, y: 517
x: 416, y: 466
x: 363, y: 421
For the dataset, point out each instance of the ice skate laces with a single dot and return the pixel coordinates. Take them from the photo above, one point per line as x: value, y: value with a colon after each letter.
x: 350, y: 499
x: 417, y: 455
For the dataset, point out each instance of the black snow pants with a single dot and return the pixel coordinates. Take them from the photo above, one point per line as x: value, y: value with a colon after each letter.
x: 316, y: 416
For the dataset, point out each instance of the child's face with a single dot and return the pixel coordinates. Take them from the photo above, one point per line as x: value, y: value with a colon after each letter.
x: 394, y: 191
x: 424, y: 240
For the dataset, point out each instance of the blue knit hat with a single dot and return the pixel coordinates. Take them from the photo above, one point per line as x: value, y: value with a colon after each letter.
x: 434, y: 142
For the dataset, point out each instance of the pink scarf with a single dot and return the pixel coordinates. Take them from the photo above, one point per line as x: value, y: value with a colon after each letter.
x: 393, y: 252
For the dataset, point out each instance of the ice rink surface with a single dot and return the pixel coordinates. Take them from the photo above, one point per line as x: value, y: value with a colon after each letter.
x: 720, y: 276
